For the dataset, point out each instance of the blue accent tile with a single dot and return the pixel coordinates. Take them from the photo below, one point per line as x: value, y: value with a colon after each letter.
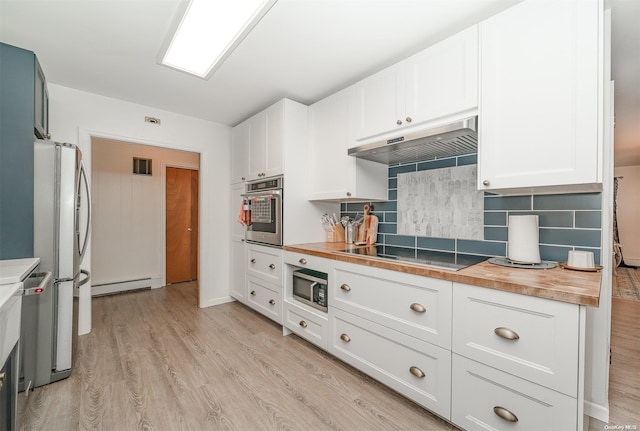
x: 507, y: 202
x: 437, y: 243
x: 471, y: 159
x: 437, y: 164
x: 589, y: 219
x: 550, y: 218
x: 596, y: 253
x: 495, y: 218
x: 343, y: 207
x: 357, y: 206
x: 482, y: 247
x: 393, y: 183
x: 556, y: 254
x: 495, y: 233
x: 394, y: 171
x: 393, y: 195
x: 400, y: 240
x: 575, y: 237
x: 391, y: 217
x: 569, y: 201
x: 380, y: 238
x: 385, y: 206
x: 387, y: 228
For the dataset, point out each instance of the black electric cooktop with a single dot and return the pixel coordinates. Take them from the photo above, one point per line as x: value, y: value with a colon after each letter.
x: 434, y: 259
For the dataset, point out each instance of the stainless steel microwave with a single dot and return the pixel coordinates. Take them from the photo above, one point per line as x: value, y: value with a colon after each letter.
x: 310, y: 287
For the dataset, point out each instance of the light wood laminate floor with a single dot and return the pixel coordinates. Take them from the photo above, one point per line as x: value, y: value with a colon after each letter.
x: 155, y: 361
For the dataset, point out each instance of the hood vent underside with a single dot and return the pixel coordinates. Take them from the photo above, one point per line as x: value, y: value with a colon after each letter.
x: 445, y: 141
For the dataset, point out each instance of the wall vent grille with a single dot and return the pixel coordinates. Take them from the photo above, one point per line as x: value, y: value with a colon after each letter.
x: 141, y: 166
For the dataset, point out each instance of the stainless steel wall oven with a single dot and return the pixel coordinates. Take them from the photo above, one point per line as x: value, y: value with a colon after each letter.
x: 264, y: 199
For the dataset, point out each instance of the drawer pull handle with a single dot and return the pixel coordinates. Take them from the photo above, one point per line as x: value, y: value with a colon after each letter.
x: 253, y: 293
x: 506, y: 333
x: 505, y: 414
x: 417, y: 372
x: 345, y: 287
x: 418, y: 308
x: 303, y: 323
x: 253, y: 261
x: 345, y: 338
x: 272, y: 302
x: 303, y: 261
x: 272, y: 266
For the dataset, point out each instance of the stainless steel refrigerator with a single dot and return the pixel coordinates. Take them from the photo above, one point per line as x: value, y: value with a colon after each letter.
x: 62, y: 218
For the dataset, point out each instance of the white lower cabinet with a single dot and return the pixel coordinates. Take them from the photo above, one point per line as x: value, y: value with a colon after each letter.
x: 416, y: 369
x: 307, y: 324
x: 485, y: 398
x: 411, y: 304
x: 265, y: 298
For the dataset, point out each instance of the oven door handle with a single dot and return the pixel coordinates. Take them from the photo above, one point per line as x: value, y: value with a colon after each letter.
x: 262, y: 193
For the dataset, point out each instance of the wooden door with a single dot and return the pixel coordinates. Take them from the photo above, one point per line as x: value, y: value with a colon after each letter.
x: 181, y: 225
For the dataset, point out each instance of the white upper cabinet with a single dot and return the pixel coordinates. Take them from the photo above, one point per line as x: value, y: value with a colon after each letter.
x: 539, y: 95
x: 333, y: 174
x: 257, y: 145
x: 439, y: 82
x: 240, y: 137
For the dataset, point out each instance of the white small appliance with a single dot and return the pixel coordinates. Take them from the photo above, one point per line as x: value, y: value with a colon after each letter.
x: 523, y: 239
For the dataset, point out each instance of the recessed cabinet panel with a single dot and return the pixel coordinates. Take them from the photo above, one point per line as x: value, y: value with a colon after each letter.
x: 306, y: 324
x: 265, y: 298
x: 533, y: 338
x: 265, y: 262
x: 240, y: 140
x: 486, y: 399
x: 258, y: 146
x: 539, y: 102
x: 418, y: 370
x: 418, y: 306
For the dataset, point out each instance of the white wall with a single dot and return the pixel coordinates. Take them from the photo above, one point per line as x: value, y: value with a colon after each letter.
x: 76, y: 117
x: 128, y: 229
x: 629, y: 213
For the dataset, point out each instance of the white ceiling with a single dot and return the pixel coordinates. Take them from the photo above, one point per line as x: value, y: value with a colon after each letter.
x: 302, y: 49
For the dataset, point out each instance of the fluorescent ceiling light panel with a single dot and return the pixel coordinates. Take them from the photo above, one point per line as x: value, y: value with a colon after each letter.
x: 210, y: 30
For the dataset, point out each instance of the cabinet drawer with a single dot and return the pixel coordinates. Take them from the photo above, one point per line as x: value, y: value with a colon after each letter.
x: 545, y: 344
x: 306, y: 324
x: 265, y: 298
x: 415, y: 305
x: 306, y: 261
x: 265, y: 263
x: 478, y: 389
x: 418, y: 370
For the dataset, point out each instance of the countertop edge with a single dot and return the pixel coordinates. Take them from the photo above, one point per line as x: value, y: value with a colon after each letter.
x: 482, y: 274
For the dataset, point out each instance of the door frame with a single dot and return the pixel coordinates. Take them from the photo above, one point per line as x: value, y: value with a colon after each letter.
x: 163, y: 208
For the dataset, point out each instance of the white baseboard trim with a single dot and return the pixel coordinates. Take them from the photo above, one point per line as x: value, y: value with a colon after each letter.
x: 108, y: 288
x: 631, y: 261
x: 596, y: 411
x: 216, y: 301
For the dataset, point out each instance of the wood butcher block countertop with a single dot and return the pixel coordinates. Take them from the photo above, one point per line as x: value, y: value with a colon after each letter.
x: 576, y: 287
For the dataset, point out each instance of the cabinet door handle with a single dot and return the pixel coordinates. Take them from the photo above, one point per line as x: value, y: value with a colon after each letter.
x: 303, y: 261
x: 345, y: 287
x: 506, y: 333
x: 253, y: 293
x: 417, y: 372
x: 243, y: 178
x: 418, y: 308
x: 348, y: 194
x: 505, y: 414
x: 272, y: 266
x: 303, y: 323
x: 409, y: 119
x: 253, y: 261
x: 399, y: 122
x: 272, y: 302
x: 486, y: 182
x: 345, y: 338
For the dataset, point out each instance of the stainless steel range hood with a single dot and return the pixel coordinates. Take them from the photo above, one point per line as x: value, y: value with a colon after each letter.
x: 449, y: 140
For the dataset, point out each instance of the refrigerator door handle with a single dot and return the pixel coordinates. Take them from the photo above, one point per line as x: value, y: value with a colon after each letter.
x: 85, y: 181
x: 84, y: 280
